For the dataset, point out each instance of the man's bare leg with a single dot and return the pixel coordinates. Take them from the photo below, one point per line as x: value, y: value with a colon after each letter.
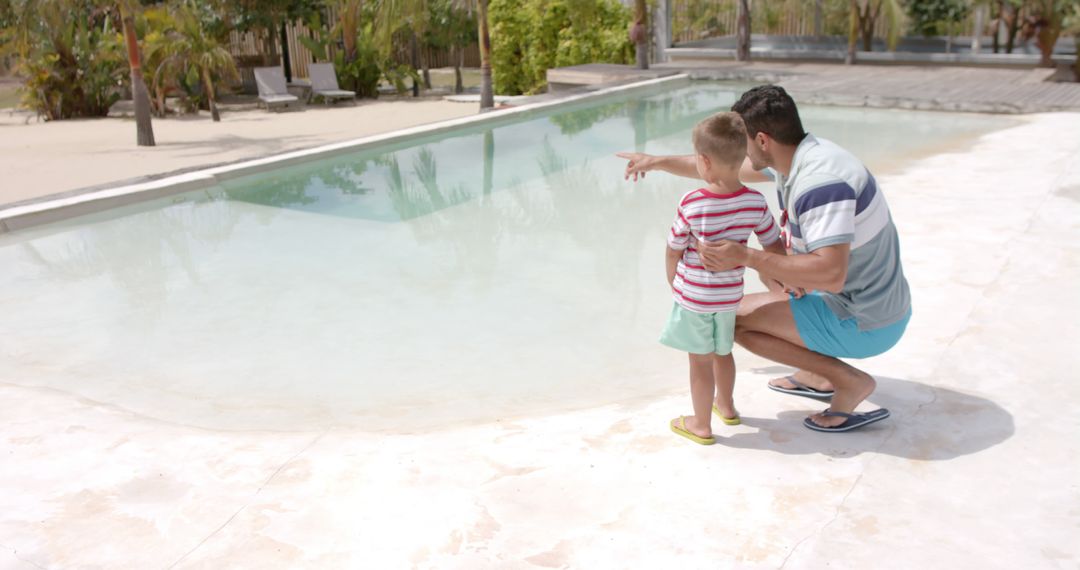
x: 767, y: 328
x: 754, y: 301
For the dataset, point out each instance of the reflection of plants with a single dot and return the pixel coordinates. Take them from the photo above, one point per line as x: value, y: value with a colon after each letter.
x: 549, y: 160
x: 138, y: 261
x: 574, y: 122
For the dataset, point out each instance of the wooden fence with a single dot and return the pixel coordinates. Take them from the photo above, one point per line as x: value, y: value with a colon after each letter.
x: 255, y: 48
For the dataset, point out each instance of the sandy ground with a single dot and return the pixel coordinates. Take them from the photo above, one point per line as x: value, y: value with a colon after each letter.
x: 38, y: 158
x: 976, y: 468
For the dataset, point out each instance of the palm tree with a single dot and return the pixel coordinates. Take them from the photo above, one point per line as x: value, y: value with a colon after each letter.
x: 190, y: 49
x: 1050, y: 23
x: 144, y: 130
x: 742, y: 49
x: 868, y: 12
x: 487, y: 97
x: 393, y: 15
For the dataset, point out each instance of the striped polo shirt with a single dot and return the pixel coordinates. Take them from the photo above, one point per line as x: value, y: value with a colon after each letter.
x: 830, y: 198
x: 708, y: 216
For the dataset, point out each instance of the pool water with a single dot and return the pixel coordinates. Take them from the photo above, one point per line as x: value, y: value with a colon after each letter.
x: 480, y: 275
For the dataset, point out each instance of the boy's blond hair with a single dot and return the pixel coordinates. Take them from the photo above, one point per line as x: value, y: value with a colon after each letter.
x: 722, y: 137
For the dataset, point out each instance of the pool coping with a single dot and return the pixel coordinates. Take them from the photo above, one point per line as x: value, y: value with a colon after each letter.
x: 97, y: 199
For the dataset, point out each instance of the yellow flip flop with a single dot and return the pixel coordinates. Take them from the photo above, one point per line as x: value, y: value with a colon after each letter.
x: 681, y: 430
x: 727, y: 421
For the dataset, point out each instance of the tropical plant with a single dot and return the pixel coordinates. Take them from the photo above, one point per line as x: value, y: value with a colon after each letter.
x: 1049, y: 16
x: 452, y: 26
x: 1071, y: 25
x: 408, y: 18
x: 69, y: 55
x: 868, y: 12
x: 931, y: 17
x: 639, y: 34
x: 356, y: 65
x: 189, y: 52
x: 532, y: 36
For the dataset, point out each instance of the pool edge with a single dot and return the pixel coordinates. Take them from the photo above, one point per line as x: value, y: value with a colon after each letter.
x: 51, y: 210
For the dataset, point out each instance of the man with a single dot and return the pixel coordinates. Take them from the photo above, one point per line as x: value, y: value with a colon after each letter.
x: 844, y: 251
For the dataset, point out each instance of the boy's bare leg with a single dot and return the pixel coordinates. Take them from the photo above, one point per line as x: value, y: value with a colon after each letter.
x: 724, y: 376
x: 702, y: 387
x: 769, y: 331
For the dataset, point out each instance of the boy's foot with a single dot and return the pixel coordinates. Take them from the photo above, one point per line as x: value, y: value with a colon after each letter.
x: 846, y: 401
x: 687, y: 427
x: 727, y: 414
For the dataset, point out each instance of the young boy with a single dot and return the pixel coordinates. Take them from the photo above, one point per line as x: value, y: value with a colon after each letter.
x: 702, y: 321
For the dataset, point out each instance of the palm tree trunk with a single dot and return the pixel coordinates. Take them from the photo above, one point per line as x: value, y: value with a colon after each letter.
x: 459, y: 61
x: 425, y: 65
x: 742, y: 42
x: 1014, y: 26
x: 853, y: 32
x: 998, y: 23
x: 866, y: 22
x: 639, y: 36
x: 414, y: 57
x: 143, y: 127
x: 487, y: 95
x: 208, y: 84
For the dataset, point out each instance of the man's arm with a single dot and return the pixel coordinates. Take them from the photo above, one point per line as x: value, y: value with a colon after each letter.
x: 748, y: 174
x: 824, y: 269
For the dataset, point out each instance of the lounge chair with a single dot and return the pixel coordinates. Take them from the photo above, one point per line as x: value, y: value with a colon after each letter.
x: 272, y: 90
x: 324, y: 83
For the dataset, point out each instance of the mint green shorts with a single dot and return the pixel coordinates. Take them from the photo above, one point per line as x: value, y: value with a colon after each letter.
x: 699, y: 333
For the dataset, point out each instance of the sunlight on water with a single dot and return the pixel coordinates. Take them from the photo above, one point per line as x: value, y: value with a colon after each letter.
x: 481, y: 275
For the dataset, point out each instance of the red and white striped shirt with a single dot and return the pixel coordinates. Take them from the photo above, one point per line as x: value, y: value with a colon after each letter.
x: 708, y: 216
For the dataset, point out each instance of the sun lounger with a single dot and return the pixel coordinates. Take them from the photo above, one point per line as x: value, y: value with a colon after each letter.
x: 272, y: 90
x: 324, y: 83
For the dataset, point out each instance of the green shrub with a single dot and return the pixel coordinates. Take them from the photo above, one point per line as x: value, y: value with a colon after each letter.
x: 75, y: 70
x: 531, y: 36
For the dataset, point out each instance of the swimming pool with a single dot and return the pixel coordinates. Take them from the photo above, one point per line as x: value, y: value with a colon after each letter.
x: 474, y: 275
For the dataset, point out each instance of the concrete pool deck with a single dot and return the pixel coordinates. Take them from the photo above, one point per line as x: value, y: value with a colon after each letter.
x: 976, y: 468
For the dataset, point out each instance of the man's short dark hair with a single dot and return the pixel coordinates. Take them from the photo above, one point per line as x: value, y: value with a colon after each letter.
x: 769, y: 109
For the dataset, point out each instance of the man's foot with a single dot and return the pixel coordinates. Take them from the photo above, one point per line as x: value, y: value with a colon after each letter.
x: 688, y: 427
x: 846, y: 400
x: 809, y: 379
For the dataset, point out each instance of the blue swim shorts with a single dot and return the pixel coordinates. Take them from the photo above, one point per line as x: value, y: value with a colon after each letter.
x: 825, y: 333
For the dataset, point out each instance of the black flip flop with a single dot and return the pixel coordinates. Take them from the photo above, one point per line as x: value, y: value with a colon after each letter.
x: 853, y: 421
x: 803, y: 390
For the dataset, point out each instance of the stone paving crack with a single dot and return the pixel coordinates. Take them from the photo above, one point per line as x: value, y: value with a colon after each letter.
x: 248, y: 502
